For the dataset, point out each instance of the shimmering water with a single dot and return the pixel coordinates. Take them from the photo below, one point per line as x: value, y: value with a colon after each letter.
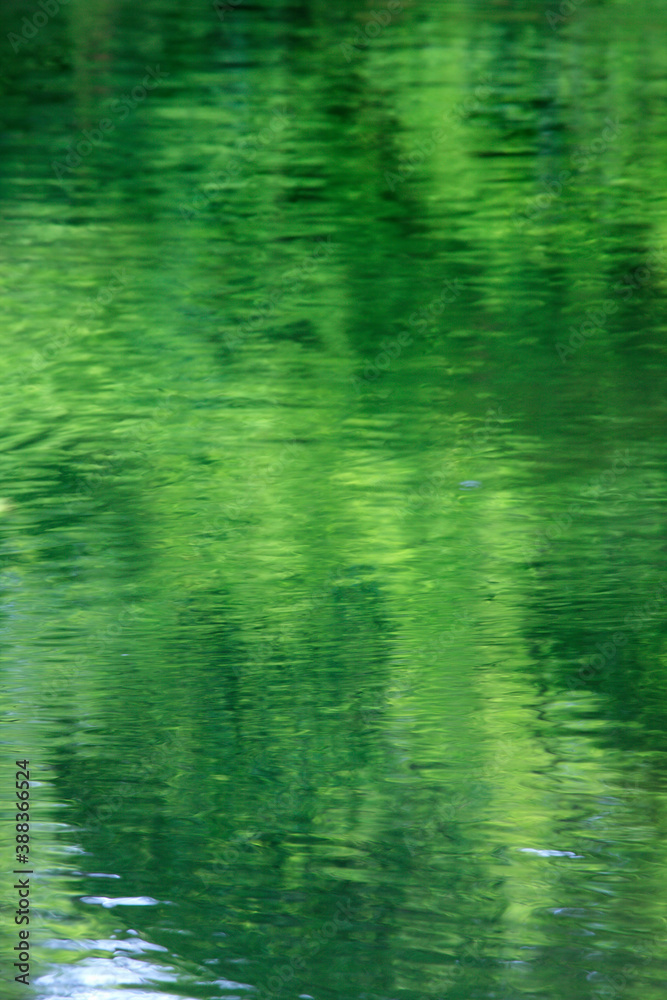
x: 333, y: 479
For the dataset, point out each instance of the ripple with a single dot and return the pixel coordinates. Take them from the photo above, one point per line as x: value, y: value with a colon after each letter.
x: 549, y: 854
x: 108, y: 902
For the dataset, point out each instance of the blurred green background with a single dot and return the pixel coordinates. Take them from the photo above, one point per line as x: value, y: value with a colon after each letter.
x: 333, y: 497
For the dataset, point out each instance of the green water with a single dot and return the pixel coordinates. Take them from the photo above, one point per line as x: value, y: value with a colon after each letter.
x: 333, y: 477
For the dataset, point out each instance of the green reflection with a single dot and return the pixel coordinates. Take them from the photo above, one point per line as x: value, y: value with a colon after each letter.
x: 333, y: 505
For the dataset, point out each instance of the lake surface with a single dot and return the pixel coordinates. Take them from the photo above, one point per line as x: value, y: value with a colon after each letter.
x: 333, y: 498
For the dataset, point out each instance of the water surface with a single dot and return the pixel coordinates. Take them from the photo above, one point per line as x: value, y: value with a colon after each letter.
x: 333, y: 530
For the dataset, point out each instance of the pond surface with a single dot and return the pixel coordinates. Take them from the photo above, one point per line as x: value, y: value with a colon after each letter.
x: 333, y: 522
